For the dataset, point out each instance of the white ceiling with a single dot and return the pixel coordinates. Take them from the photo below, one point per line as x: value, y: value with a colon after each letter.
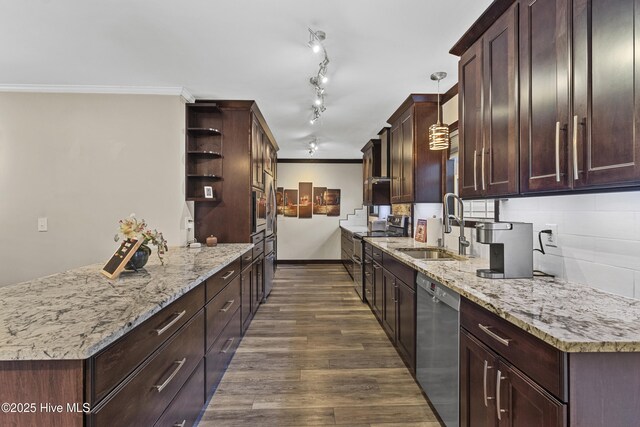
x: 380, y: 52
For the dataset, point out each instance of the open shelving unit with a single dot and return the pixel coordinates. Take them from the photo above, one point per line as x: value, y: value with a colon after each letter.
x: 204, y: 158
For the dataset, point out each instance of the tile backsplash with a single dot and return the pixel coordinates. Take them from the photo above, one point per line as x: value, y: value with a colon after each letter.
x: 598, y: 237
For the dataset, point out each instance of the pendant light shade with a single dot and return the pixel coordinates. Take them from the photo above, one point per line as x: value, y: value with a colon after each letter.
x: 438, y: 132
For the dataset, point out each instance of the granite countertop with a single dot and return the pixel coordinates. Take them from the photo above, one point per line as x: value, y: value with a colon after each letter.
x: 75, y: 314
x: 355, y: 228
x: 571, y: 317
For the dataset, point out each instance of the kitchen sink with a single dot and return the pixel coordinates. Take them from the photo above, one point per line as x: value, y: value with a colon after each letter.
x: 430, y: 254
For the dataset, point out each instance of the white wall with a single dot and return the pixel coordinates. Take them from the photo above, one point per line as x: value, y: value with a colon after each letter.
x: 317, y: 237
x: 598, y: 237
x: 85, y: 161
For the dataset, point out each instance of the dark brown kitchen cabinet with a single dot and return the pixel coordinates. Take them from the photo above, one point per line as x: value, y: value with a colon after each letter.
x: 375, y: 189
x: 494, y: 393
x: 378, y: 290
x: 257, y: 283
x: 606, y: 98
x: 257, y: 154
x: 415, y: 170
x: 488, y: 109
x: 470, y: 120
x: 246, y: 295
x: 544, y: 95
x: 389, y: 304
x: 247, y: 138
x: 406, y: 321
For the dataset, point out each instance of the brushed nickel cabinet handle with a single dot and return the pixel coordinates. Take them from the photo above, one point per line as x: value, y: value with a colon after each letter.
x: 166, y: 327
x: 487, y: 330
x: 484, y: 383
x: 557, y: 151
x: 182, y: 424
x: 227, y: 346
x: 475, y: 170
x: 166, y: 382
x: 575, y: 148
x: 227, y: 306
x: 376, y: 267
x: 247, y: 258
x: 229, y: 274
x: 484, y: 187
x: 499, y: 411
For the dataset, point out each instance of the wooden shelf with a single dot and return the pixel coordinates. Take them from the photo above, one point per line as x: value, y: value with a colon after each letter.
x: 204, y: 153
x: 197, y: 175
x: 204, y: 131
x: 205, y: 107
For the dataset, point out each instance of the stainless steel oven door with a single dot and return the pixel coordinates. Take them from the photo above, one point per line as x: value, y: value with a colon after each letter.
x: 259, y: 208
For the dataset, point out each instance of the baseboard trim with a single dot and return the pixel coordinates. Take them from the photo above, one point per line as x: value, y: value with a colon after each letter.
x: 309, y: 261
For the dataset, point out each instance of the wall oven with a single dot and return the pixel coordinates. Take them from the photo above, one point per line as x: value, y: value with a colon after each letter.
x: 258, y: 211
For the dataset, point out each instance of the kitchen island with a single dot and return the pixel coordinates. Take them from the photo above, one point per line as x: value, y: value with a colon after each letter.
x: 537, y: 351
x: 79, y: 349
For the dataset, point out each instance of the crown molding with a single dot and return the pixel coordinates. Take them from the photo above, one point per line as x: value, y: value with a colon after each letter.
x: 121, y: 90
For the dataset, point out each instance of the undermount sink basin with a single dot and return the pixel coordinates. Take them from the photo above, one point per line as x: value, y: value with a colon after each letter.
x: 429, y: 254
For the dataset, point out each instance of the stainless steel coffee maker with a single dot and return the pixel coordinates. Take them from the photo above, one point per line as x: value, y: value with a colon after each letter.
x: 510, y: 249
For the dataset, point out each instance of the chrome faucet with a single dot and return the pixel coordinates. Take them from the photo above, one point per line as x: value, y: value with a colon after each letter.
x: 463, y: 243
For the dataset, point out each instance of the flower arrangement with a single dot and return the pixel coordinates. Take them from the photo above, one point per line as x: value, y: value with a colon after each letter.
x: 132, y: 228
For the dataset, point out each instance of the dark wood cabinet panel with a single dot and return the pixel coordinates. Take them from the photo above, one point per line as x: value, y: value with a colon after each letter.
x: 221, y: 353
x: 605, y: 99
x: 389, y: 304
x: 374, y: 154
x: 257, y: 283
x: 378, y: 290
x: 416, y: 171
x: 520, y: 402
x: 247, y: 286
x: 186, y: 407
x: 500, y: 120
x: 406, y: 323
x: 544, y: 95
x: 470, y: 121
x: 221, y: 308
x: 478, y: 367
x: 257, y: 154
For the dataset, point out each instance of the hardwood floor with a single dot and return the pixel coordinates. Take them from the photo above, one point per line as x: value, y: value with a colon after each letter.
x: 315, y: 355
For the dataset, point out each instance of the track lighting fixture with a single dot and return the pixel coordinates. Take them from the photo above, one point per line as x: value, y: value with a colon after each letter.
x: 315, y: 42
x: 313, y: 146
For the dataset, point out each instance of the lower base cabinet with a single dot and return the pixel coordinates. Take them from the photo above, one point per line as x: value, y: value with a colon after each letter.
x: 186, y: 407
x: 495, y: 393
x: 222, y: 351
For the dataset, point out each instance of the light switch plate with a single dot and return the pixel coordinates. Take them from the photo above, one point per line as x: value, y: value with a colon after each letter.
x: 550, y: 240
x: 43, y: 224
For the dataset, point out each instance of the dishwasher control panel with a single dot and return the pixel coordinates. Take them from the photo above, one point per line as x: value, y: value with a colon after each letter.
x: 440, y: 293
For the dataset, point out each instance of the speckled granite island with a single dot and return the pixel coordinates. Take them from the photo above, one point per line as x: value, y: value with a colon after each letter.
x: 566, y: 354
x: 79, y: 349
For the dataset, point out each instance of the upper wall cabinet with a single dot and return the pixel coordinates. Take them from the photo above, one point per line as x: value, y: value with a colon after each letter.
x: 544, y: 92
x: 415, y: 170
x: 605, y: 122
x: 375, y: 156
x: 488, y: 109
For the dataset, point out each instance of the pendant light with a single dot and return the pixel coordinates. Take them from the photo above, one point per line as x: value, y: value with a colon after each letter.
x: 438, y: 132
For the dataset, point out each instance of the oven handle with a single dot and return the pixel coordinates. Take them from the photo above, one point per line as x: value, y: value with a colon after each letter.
x: 356, y: 259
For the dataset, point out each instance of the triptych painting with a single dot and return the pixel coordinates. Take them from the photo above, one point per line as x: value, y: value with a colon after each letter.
x: 307, y: 201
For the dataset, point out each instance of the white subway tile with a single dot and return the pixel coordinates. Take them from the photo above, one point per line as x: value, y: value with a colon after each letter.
x: 636, y: 291
x: 611, y: 279
x: 615, y: 225
x: 520, y: 204
x: 573, y: 246
x: 624, y: 201
x: 569, y: 203
x: 549, y: 264
x: 619, y: 253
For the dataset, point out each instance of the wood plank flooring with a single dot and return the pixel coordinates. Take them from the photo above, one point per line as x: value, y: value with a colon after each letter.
x: 315, y: 355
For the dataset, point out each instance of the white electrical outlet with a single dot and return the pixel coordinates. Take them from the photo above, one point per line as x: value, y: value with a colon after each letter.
x: 552, y: 238
x: 188, y: 223
x: 43, y: 224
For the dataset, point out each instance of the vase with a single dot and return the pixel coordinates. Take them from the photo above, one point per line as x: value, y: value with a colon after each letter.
x: 139, y: 259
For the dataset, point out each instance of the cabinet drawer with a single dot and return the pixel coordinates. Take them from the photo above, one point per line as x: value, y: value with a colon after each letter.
x: 268, y: 245
x: 246, y: 259
x: 222, y: 352
x: 545, y: 364
x: 376, y: 254
x: 400, y: 270
x: 222, y: 308
x: 187, y: 405
x: 145, y: 396
x: 368, y: 249
x: 368, y: 269
x: 218, y: 281
x: 114, y: 363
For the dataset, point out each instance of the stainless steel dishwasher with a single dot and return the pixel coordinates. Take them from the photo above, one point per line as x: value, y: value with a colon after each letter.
x: 438, y: 340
